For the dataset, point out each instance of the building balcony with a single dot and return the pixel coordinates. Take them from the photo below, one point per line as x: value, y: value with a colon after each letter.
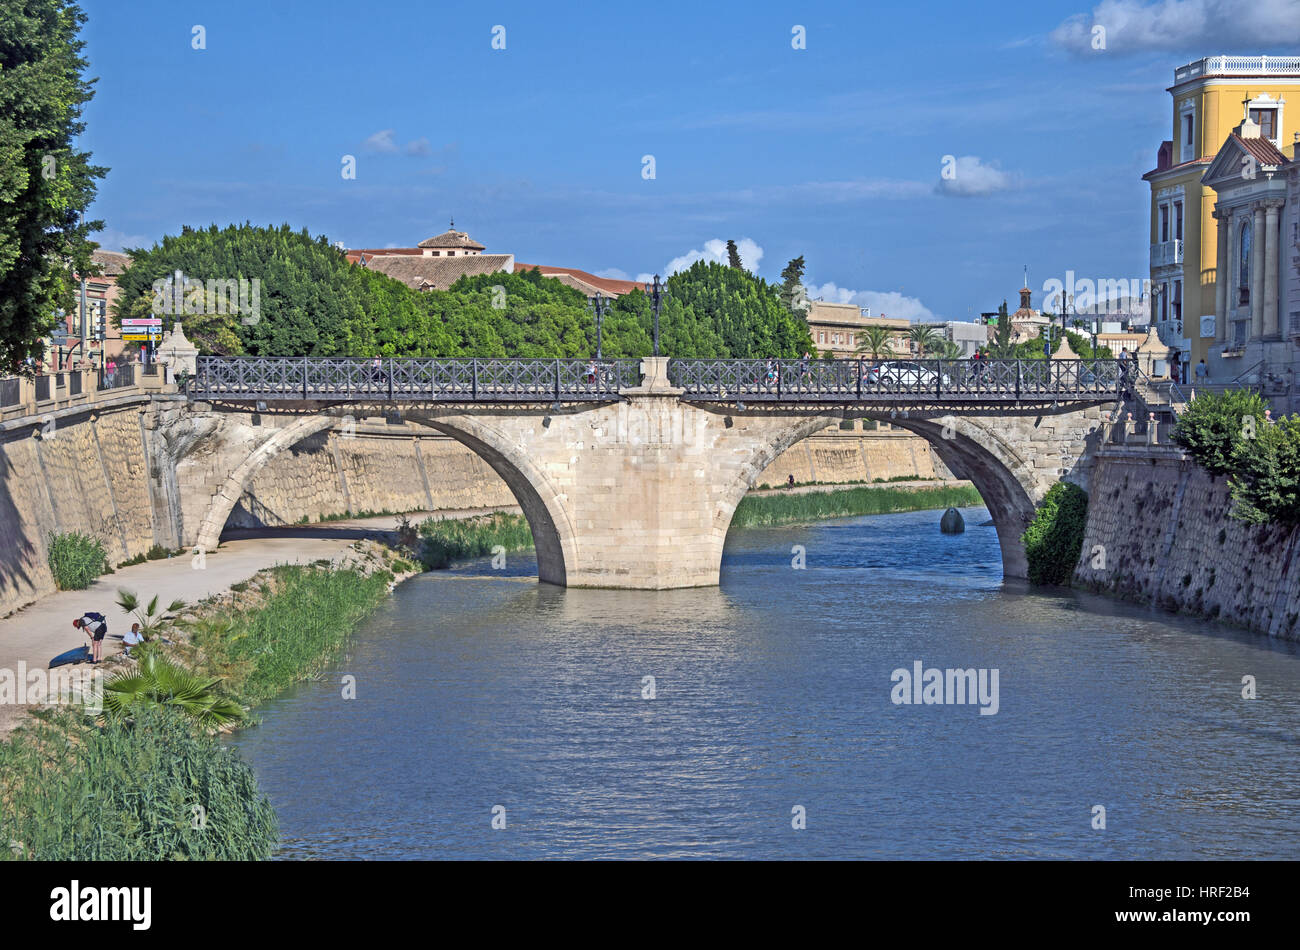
x: 1238, y: 66
x: 1166, y: 254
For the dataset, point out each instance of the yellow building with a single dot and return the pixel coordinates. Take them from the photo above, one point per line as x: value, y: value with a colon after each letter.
x: 1211, y: 97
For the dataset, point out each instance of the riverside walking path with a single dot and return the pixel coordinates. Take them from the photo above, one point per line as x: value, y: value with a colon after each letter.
x: 42, y: 630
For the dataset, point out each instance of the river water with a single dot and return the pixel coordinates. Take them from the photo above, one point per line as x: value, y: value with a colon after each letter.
x: 773, y: 706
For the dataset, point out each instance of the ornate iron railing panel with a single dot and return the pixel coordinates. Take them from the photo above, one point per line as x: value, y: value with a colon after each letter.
x: 885, y: 381
x: 344, y: 379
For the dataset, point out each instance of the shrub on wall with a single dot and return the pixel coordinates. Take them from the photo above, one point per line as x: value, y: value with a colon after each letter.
x: 1213, y: 428
x: 1054, y: 538
x: 76, y: 559
x: 1266, y: 486
x: 1228, y: 434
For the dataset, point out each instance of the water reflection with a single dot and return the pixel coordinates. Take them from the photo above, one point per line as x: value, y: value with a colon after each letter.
x: 478, y: 688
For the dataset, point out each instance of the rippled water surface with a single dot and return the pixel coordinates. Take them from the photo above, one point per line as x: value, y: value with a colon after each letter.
x: 477, y: 688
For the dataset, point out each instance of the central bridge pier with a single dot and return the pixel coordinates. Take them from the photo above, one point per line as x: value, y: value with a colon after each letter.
x: 638, y: 490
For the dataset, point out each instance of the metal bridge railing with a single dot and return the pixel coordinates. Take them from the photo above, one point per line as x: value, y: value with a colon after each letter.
x: 878, y: 380
x: 344, y: 379
x: 339, y: 379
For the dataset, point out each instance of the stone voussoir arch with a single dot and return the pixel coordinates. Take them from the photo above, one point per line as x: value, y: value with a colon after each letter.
x: 555, y: 539
x: 1007, y: 482
x: 237, y: 481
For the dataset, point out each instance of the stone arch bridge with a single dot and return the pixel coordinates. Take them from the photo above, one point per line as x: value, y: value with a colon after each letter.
x: 629, y: 473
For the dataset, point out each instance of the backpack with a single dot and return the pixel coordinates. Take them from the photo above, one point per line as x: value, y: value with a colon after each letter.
x: 93, y: 617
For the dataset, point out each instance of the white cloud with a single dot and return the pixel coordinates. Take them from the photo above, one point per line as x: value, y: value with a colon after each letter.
x: 882, y: 303
x: 613, y: 273
x: 381, y: 141
x: 972, y: 178
x: 1205, y: 25
x: 714, y: 250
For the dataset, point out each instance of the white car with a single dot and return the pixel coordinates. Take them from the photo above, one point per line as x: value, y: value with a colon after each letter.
x: 905, y: 375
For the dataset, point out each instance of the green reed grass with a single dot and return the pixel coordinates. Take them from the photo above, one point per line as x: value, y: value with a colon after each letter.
x: 147, y: 789
x: 76, y: 559
x: 294, y: 634
x: 442, y: 542
x: 760, y: 510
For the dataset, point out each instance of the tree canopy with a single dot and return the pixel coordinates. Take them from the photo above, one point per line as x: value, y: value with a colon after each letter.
x: 45, y: 181
x: 312, y: 301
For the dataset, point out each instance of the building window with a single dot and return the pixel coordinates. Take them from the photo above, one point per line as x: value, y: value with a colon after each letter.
x: 1266, y: 119
x: 1178, y: 220
x: 1164, y: 223
x: 821, y: 336
x: 1243, y: 263
x: 1178, y: 300
x: 1189, y: 126
x: 1164, y: 302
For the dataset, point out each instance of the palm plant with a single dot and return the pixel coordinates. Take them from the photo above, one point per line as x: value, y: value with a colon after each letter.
x: 948, y: 350
x: 150, y: 618
x: 875, y: 342
x: 923, y: 338
x: 157, y: 681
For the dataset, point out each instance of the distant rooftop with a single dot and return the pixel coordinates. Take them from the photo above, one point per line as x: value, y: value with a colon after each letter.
x: 1239, y: 66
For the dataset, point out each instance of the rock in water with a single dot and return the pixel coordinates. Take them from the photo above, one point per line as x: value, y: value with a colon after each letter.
x: 951, y: 522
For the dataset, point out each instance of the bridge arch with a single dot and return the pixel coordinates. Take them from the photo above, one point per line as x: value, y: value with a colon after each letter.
x: 554, y: 537
x: 553, y: 534
x: 236, y: 482
x: 1007, y: 483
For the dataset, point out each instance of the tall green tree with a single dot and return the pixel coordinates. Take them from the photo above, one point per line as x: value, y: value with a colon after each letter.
x: 1002, y: 345
x: 733, y: 255
x: 46, y: 182
x: 792, y: 293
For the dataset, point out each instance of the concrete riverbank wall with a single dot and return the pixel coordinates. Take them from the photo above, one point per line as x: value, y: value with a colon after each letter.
x: 92, y: 464
x: 1159, y: 532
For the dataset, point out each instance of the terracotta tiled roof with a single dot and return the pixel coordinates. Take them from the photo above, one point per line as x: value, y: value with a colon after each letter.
x: 437, y: 273
x: 457, y: 239
x: 354, y: 256
x: 586, y: 282
x: 1263, y: 150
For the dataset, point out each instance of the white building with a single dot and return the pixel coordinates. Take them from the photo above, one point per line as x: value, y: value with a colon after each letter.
x: 1257, y: 306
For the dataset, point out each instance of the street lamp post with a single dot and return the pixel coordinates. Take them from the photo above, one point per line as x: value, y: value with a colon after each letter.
x: 656, y: 296
x: 601, y: 304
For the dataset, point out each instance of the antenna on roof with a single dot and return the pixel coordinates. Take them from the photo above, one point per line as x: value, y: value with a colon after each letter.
x: 452, y: 226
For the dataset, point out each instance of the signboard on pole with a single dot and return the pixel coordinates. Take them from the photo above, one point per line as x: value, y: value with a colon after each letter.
x: 143, y: 322
x: 138, y: 337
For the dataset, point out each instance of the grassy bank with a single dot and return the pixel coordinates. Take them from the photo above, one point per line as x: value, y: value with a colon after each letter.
x: 442, y: 542
x: 760, y: 510
x: 148, y: 788
x: 283, y: 628
x: 149, y: 783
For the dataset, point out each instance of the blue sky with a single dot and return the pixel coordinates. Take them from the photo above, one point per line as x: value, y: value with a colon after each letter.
x: 833, y: 151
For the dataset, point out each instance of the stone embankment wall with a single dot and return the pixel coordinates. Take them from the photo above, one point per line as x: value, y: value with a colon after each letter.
x: 1159, y: 532
x: 85, y: 472
x: 855, y: 457
x: 369, y: 468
